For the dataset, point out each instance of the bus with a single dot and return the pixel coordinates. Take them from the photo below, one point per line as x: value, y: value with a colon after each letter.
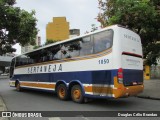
x: 106, y: 63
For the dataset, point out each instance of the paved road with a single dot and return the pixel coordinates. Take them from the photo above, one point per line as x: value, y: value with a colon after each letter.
x: 41, y: 101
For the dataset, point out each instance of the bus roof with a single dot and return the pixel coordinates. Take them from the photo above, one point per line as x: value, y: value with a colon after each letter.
x: 71, y: 39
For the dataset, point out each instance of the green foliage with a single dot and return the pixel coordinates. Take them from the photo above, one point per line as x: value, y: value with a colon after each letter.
x: 94, y: 28
x: 141, y: 16
x: 36, y: 47
x: 46, y: 43
x: 50, y: 41
x: 16, y: 26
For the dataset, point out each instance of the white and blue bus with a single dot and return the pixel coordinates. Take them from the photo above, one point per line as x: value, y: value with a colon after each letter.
x: 106, y: 63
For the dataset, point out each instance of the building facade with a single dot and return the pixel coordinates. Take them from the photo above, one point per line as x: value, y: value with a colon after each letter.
x: 74, y: 32
x: 58, y: 29
x: 5, y: 61
x: 28, y: 48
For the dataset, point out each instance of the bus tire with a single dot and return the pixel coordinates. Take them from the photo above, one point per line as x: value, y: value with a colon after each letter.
x: 18, y: 87
x: 76, y: 94
x: 62, y: 92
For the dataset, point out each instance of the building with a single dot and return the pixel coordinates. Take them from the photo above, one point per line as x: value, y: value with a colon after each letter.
x: 5, y: 61
x: 38, y: 41
x: 58, y: 29
x: 74, y: 32
x: 28, y: 48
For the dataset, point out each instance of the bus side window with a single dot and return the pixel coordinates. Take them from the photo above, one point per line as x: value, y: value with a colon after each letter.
x: 21, y: 60
x: 102, y: 41
x: 33, y: 57
x: 86, y: 46
x: 56, y: 52
x: 70, y: 49
x: 65, y: 52
x: 74, y: 48
x: 49, y: 55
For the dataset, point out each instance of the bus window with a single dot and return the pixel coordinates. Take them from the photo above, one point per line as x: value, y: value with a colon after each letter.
x: 56, y: 52
x: 21, y: 60
x: 49, y: 55
x: 33, y: 57
x: 43, y: 55
x: 102, y: 41
x: 86, y: 45
x: 70, y: 49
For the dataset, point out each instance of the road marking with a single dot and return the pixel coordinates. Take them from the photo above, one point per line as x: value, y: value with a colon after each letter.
x: 54, y: 118
x: 85, y: 118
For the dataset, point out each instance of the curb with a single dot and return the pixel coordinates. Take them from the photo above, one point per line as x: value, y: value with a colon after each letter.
x: 2, y: 108
x: 4, y: 77
x: 148, y: 97
x: 2, y: 105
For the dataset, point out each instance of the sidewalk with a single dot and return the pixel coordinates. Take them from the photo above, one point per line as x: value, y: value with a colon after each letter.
x: 4, y: 77
x: 3, y: 108
x: 2, y: 104
x: 151, y: 89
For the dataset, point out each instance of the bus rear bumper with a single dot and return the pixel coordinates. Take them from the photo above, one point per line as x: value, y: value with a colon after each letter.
x: 124, y: 91
x: 127, y: 91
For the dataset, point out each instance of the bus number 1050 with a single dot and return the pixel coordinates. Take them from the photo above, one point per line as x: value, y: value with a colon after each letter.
x: 103, y: 61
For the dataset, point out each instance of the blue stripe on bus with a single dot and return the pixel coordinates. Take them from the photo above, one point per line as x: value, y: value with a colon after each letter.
x: 85, y: 77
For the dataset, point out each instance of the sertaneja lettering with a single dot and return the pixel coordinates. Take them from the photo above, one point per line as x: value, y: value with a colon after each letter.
x: 45, y: 68
x: 49, y: 68
x: 41, y: 69
x: 37, y: 69
x: 54, y: 68
x: 60, y: 67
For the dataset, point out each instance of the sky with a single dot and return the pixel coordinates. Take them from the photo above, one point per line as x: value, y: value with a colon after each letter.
x: 79, y: 13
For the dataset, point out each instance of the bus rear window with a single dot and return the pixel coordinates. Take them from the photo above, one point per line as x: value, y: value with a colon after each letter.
x: 103, y: 41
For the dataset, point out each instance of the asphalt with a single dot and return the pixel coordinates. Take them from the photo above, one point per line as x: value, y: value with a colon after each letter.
x: 151, y: 91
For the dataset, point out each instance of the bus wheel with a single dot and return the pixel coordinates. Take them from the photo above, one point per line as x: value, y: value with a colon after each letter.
x: 76, y: 94
x: 62, y: 92
x: 18, y: 87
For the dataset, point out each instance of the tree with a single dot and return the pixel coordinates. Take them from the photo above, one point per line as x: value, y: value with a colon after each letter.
x: 46, y: 43
x: 16, y: 26
x: 141, y: 16
x: 94, y: 28
x: 36, y: 47
x: 50, y: 41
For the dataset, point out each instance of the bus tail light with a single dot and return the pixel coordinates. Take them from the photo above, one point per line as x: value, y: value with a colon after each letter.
x: 120, y: 75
